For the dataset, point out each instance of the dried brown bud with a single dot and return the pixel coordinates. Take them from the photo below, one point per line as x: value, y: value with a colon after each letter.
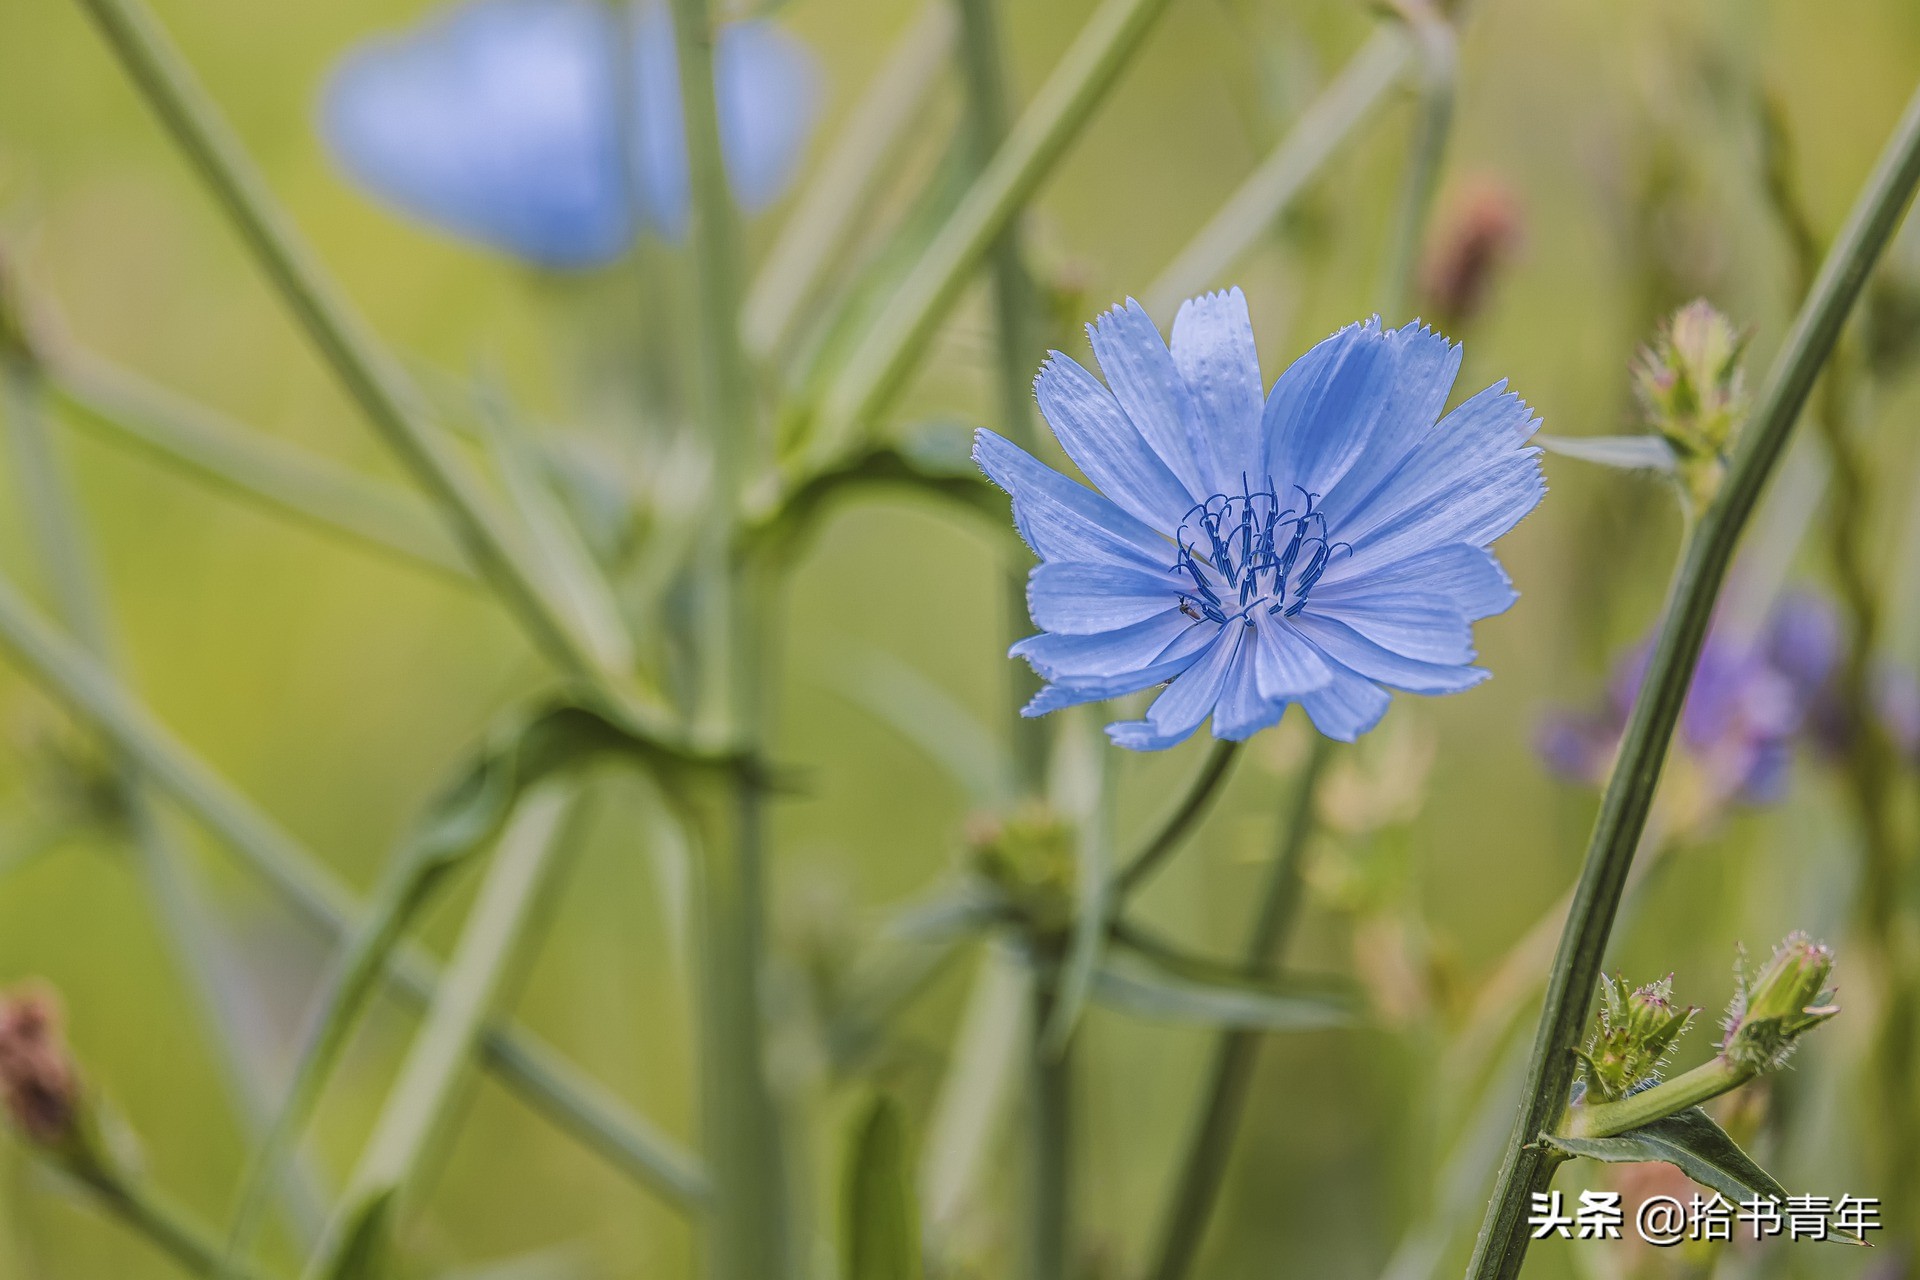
x: 37, y: 1075
x: 1478, y: 237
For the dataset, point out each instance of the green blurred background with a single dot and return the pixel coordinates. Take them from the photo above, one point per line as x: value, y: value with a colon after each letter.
x: 337, y: 688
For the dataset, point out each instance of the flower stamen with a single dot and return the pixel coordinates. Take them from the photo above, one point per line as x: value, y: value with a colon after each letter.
x: 1254, y: 545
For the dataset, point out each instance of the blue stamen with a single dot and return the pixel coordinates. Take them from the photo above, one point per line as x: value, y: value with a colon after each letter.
x: 1242, y: 534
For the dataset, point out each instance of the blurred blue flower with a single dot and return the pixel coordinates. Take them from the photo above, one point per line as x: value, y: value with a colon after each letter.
x: 1320, y: 547
x: 501, y: 120
x: 1753, y: 700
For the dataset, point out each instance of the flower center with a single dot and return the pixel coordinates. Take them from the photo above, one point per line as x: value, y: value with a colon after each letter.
x: 1244, y: 551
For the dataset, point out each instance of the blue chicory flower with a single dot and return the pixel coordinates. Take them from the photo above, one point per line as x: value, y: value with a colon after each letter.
x: 1320, y: 545
x: 500, y: 120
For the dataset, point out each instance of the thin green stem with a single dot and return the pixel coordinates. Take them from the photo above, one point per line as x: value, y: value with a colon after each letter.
x: 1436, y: 45
x: 425, y: 1096
x: 1342, y: 107
x: 1709, y: 1080
x: 373, y: 380
x: 1230, y: 1076
x: 189, y: 927
x: 169, y: 1227
x: 1192, y: 807
x: 748, y: 1234
x: 541, y: 1076
x: 1016, y: 349
x: 901, y: 333
x: 255, y: 468
x: 1504, y: 1235
x: 1050, y: 1144
x: 356, y: 976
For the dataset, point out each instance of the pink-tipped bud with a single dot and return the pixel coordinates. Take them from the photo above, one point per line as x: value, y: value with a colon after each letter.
x: 1636, y: 1032
x: 1771, y: 1009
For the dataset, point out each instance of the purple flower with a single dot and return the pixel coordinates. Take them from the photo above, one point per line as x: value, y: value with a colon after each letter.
x: 1754, y: 699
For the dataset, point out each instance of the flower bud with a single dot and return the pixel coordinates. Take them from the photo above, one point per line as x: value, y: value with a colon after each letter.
x: 1482, y: 232
x: 38, y: 1081
x: 1692, y: 388
x: 1028, y: 855
x: 1773, y: 1007
x: 1637, y: 1031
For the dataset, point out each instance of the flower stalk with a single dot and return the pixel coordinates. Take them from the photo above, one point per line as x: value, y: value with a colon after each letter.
x: 1504, y: 1236
x: 747, y: 1231
x: 1236, y: 1052
x: 1689, y: 1089
x: 1193, y: 806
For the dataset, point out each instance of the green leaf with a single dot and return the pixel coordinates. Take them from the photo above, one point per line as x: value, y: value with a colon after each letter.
x: 1175, y: 962
x: 1131, y: 983
x: 962, y: 911
x: 881, y: 1220
x: 1699, y: 1148
x: 1629, y: 453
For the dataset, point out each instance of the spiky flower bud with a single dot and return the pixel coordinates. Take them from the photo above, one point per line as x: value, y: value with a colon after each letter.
x: 1636, y: 1032
x: 1691, y: 386
x: 1772, y: 1008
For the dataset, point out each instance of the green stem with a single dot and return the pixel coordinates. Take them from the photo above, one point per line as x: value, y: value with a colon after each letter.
x: 1871, y: 765
x: 1192, y: 807
x: 190, y: 930
x: 370, y: 377
x: 186, y: 1241
x: 1016, y: 349
x: 424, y: 1097
x: 1605, y: 1119
x: 748, y: 1234
x: 1050, y: 1148
x: 901, y: 334
x: 258, y: 469
x: 1437, y: 47
x: 1230, y: 1076
x: 541, y: 1076
x: 1343, y: 106
x: 355, y: 978
x: 1504, y: 1235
